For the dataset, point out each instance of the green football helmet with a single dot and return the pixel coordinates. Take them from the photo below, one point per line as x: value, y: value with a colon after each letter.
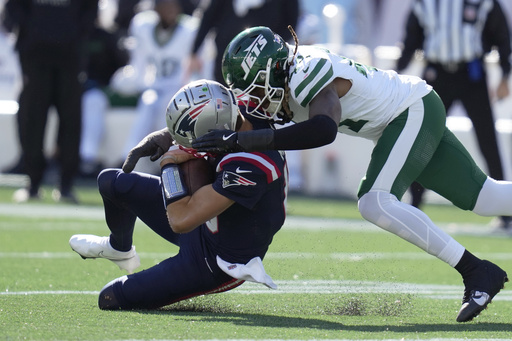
x: 255, y: 66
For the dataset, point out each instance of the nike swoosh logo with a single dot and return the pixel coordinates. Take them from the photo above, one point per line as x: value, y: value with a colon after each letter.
x: 239, y: 171
x: 224, y: 137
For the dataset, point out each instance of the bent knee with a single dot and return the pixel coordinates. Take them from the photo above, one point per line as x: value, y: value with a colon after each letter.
x: 372, y: 205
x: 113, y: 181
x: 110, y: 297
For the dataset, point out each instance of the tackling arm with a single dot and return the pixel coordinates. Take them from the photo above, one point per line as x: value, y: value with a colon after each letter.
x: 319, y: 130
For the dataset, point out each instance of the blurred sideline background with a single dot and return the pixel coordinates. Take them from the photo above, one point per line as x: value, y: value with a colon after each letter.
x: 368, y: 31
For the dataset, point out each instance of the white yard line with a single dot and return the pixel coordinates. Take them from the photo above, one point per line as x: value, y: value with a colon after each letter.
x: 341, y: 256
x: 432, y: 291
x: 292, y: 222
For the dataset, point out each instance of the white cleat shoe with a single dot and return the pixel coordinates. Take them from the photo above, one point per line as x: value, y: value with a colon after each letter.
x: 90, y: 246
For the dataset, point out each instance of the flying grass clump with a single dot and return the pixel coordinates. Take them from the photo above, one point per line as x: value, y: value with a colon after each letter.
x: 382, y: 305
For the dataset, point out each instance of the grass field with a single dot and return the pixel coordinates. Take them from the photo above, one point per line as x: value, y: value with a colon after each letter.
x: 338, y: 278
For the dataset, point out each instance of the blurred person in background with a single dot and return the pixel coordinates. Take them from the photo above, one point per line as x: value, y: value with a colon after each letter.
x: 225, y: 18
x: 50, y: 42
x: 163, y: 40
x: 455, y: 66
x: 105, y: 55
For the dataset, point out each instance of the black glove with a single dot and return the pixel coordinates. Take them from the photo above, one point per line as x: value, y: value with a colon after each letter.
x: 154, y: 145
x: 218, y: 141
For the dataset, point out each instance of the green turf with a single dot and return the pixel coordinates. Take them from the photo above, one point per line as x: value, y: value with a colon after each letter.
x: 35, y: 257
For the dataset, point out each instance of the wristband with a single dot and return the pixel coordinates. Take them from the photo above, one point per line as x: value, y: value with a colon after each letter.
x: 173, y: 187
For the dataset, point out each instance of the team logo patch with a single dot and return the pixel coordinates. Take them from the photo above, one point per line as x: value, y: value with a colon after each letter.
x: 253, y: 52
x: 233, y: 179
x: 187, y: 123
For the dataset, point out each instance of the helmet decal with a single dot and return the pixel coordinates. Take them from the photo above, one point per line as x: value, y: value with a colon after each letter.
x: 197, y: 111
x: 253, y: 52
x: 197, y: 108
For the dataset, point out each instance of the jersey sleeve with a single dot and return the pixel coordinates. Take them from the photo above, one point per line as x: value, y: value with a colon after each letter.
x: 312, y: 72
x: 244, y: 177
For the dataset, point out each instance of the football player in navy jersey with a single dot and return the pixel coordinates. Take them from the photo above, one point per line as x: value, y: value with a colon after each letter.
x: 223, y: 229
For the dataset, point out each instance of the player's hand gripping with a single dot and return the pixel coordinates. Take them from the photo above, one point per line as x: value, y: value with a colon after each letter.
x: 175, y: 155
x: 154, y: 145
x: 218, y: 141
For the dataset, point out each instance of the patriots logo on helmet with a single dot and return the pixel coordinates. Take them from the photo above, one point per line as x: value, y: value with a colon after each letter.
x: 186, y: 125
x: 233, y: 179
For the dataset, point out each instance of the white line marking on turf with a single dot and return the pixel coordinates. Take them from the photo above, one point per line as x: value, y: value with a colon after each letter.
x: 292, y: 222
x: 338, y: 256
x: 432, y: 291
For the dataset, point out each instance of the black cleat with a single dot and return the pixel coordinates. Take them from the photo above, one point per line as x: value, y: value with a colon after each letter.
x: 487, y: 280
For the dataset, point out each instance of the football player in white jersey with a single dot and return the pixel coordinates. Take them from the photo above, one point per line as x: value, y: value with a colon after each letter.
x: 163, y: 39
x: 326, y: 93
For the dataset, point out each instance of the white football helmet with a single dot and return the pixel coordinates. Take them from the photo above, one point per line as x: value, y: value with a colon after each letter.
x: 198, y: 107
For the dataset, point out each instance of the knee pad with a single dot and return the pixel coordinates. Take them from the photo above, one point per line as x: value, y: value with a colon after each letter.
x: 111, y: 297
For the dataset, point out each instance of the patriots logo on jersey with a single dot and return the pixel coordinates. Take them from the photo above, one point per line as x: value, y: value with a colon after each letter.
x: 233, y: 179
x: 186, y: 125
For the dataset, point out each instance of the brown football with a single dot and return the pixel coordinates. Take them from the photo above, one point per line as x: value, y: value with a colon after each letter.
x: 197, y: 173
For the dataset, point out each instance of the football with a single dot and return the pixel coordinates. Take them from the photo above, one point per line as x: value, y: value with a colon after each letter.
x: 196, y: 173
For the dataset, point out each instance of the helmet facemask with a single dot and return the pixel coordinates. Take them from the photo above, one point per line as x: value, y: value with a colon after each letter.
x: 267, y: 100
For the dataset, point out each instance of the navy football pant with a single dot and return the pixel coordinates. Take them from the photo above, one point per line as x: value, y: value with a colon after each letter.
x: 192, y: 272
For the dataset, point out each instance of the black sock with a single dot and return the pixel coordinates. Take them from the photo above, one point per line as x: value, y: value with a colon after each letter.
x: 467, y: 263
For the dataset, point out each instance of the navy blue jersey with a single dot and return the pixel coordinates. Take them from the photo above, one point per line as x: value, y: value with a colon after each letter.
x: 257, y: 183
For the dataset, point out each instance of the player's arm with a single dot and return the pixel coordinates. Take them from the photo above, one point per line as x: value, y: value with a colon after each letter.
x: 320, y: 129
x: 187, y: 208
x: 154, y: 145
x: 191, y: 211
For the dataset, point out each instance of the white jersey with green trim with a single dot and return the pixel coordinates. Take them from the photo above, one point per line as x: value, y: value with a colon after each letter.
x: 374, y: 100
x: 159, y: 55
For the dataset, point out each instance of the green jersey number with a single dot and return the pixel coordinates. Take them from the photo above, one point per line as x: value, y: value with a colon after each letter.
x: 355, y: 126
x: 361, y: 68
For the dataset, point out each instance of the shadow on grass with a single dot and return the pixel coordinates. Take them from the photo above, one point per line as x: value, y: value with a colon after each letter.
x: 275, y: 321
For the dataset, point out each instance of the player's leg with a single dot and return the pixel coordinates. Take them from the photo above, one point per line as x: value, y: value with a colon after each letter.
x: 398, y: 159
x: 379, y: 205
x: 34, y: 103
x: 453, y: 174
x: 186, y: 275
x: 69, y: 108
x: 478, y: 108
x: 127, y: 196
x: 94, y: 107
